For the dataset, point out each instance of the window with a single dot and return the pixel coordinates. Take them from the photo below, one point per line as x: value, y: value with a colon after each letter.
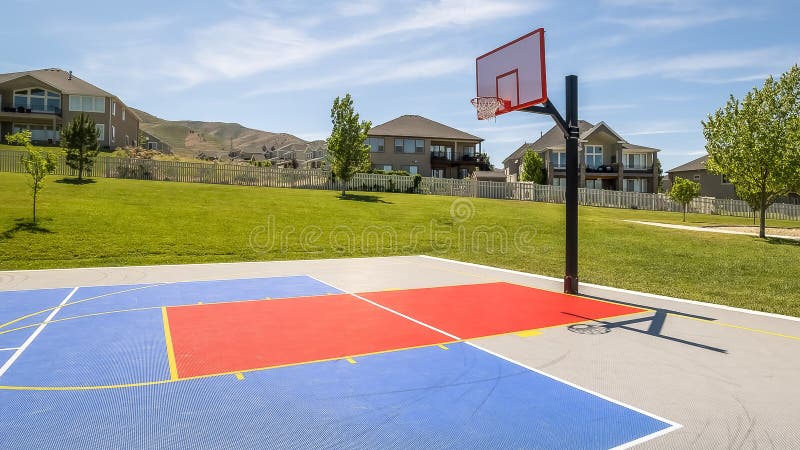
x: 38, y: 100
x: 383, y: 167
x: 127, y: 140
x: 39, y: 133
x: 413, y: 170
x: 469, y: 151
x: 101, y: 129
x: 560, y: 182
x: 437, y: 173
x: 113, y: 108
x: 113, y: 133
x: 409, y: 145
x: 634, y: 185
x: 442, y: 151
x: 594, y: 184
x: 376, y: 145
x: 696, y: 177
x: 123, y: 115
x: 87, y: 103
x: 594, y: 156
x: 559, y: 160
x: 463, y: 173
x: 636, y: 161
x: 152, y: 145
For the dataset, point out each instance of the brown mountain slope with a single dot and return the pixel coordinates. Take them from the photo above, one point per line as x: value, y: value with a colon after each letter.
x: 189, y: 138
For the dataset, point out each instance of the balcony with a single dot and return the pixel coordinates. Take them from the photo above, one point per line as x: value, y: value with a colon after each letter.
x: 27, y: 113
x: 452, y: 159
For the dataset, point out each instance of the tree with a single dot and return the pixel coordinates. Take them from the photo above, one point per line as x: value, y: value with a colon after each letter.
x: 683, y: 191
x: 79, y: 139
x: 660, y: 175
x: 532, y: 167
x: 37, y: 164
x: 347, y: 152
x: 755, y: 142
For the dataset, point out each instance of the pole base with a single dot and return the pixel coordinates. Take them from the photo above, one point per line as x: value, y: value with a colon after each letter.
x: 570, y: 285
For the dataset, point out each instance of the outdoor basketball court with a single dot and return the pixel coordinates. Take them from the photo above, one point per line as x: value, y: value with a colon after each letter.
x: 383, y: 352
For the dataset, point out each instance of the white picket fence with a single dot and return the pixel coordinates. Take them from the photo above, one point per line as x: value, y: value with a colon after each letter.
x: 237, y: 174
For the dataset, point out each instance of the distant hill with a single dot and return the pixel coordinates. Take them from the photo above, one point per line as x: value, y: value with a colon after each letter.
x: 188, y: 138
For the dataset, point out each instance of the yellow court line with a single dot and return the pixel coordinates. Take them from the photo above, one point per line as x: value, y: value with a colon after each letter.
x: 351, y: 360
x: 83, y: 316
x: 76, y: 302
x: 239, y: 376
x: 730, y: 325
x: 443, y: 347
x: 529, y: 333
x: 510, y: 333
x: 173, y: 366
x: 258, y: 369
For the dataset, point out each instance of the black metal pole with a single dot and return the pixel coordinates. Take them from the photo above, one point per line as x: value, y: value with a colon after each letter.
x: 573, y: 132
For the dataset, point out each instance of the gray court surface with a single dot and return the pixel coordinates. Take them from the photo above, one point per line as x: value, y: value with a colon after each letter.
x: 729, y: 377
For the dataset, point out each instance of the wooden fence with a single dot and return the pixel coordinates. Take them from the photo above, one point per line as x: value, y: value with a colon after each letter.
x: 237, y: 174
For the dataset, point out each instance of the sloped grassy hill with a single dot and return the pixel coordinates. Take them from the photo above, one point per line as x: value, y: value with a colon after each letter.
x: 189, y: 138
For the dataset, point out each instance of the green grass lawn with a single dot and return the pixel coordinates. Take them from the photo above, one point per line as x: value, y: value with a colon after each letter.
x: 128, y: 222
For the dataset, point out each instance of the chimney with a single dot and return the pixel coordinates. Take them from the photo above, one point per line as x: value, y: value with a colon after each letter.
x: 70, y: 75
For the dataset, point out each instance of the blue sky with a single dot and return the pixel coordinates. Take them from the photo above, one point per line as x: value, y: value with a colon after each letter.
x: 651, y: 69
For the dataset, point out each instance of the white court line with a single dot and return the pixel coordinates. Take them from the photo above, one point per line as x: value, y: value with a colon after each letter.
x: 623, y: 291
x: 38, y: 330
x: 8, y: 349
x: 672, y: 425
x: 390, y: 310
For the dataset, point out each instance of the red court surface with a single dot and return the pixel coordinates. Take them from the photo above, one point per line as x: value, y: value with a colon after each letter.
x: 478, y: 310
x: 231, y: 337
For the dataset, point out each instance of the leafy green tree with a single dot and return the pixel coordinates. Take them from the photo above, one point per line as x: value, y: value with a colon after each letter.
x: 660, y: 175
x: 36, y: 163
x: 684, y: 191
x: 755, y: 142
x: 79, y: 139
x: 347, y: 152
x: 532, y: 168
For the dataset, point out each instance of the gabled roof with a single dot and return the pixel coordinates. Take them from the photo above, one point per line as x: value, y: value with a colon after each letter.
x: 553, y: 138
x: 696, y: 164
x: 60, y: 80
x: 639, y: 148
x: 418, y: 126
x: 601, y: 126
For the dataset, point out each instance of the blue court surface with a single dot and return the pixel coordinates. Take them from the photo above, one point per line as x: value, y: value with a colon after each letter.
x: 98, y: 375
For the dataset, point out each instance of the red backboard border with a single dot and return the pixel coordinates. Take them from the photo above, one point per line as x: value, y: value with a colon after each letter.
x: 541, y: 64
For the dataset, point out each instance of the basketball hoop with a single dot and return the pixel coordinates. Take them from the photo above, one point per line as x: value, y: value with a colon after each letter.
x: 488, y: 106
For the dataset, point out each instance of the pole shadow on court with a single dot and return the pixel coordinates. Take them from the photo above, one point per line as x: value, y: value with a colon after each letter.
x: 657, y: 321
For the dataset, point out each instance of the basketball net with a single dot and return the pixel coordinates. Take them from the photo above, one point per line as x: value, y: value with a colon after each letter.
x: 487, y: 107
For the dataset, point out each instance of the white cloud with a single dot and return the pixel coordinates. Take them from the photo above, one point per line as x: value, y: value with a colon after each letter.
x: 691, y: 67
x: 608, y: 107
x: 354, y: 8
x: 256, y: 43
x: 664, y: 22
x: 373, y: 73
x: 661, y: 127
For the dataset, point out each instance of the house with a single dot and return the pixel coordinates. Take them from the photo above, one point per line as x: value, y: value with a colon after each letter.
x: 42, y: 101
x: 710, y: 185
x: 419, y: 145
x: 498, y: 175
x: 151, y: 142
x: 307, y: 155
x: 607, y: 161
